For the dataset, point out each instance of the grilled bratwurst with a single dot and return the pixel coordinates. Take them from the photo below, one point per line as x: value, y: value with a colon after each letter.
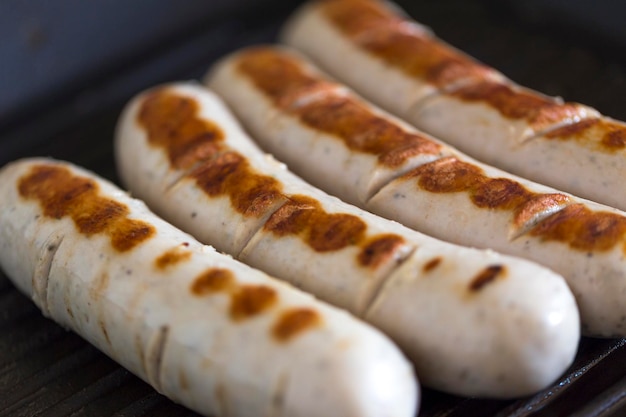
x: 401, y: 66
x: 474, y: 322
x: 201, y: 328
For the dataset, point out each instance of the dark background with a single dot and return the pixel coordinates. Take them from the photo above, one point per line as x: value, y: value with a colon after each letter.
x: 67, y: 67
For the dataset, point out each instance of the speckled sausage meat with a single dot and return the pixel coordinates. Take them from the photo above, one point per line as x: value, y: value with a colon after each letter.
x: 323, y: 131
x: 400, y: 65
x: 180, y: 149
x: 203, y: 329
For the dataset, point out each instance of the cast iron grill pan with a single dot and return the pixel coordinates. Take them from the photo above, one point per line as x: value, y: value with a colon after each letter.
x: 47, y: 371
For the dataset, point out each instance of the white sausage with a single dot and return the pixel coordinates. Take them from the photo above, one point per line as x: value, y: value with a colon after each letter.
x: 201, y: 328
x: 312, y: 30
x: 387, y: 57
x: 453, y: 198
x: 428, y: 295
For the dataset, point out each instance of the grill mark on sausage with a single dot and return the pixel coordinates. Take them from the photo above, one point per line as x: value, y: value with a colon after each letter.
x: 277, y: 75
x: 171, y: 121
x: 583, y: 229
x: 324, y: 232
x: 363, y: 131
x: 376, y: 250
x: 129, y: 233
x: 303, y: 216
x: 600, y: 134
x: 213, y: 280
x: 572, y: 130
x: 486, y: 276
x: 615, y: 139
x: 329, y: 109
x: 432, y: 264
x: 419, y: 55
x: 512, y: 103
x: 60, y: 193
x: 449, y: 175
x: 536, y: 209
x: 401, y: 43
x: 548, y: 216
x: 172, y: 257
x: 249, y: 301
x: 251, y: 193
x: 293, y: 322
x: 358, y: 16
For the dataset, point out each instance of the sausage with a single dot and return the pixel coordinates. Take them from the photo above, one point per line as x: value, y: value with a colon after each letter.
x: 397, y: 64
x: 429, y: 296
x: 377, y: 41
x: 453, y: 198
x: 203, y: 329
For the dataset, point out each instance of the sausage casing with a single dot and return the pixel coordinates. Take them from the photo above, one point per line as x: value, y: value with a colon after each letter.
x: 203, y: 329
